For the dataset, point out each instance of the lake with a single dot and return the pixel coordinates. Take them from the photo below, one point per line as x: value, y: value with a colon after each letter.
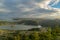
x: 18, y: 27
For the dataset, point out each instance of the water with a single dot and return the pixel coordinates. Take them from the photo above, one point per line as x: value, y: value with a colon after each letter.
x: 18, y: 27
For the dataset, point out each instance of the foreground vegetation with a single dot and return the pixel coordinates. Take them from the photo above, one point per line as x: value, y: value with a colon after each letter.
x: 41, y: 34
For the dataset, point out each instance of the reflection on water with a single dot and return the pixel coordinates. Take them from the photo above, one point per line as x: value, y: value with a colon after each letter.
x: 18, y: 27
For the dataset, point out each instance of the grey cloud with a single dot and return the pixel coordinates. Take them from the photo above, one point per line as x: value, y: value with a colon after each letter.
x: 38, y: 12
x: 39, y: 0
x: 16, y: 11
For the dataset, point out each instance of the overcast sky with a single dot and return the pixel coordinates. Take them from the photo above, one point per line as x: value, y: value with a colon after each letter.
x: 49, y: 9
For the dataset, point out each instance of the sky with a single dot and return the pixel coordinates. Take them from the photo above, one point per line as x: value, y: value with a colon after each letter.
x: 48, y: 9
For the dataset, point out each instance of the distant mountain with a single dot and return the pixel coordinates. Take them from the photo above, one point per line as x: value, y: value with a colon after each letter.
x: 38, y: 21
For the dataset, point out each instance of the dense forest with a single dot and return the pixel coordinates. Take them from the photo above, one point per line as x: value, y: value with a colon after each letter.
x: 43, y: 34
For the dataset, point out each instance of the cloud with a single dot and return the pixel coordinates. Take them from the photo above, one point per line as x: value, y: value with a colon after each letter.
x: 29, y: 8
x: 4, y: 10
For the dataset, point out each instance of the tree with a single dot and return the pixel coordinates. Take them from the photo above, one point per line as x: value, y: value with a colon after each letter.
x: 56, y: 32
x: 34, y: 36
x: 25, y: 37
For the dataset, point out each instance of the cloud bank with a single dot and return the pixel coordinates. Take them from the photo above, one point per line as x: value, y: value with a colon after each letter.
x: 29, y: 9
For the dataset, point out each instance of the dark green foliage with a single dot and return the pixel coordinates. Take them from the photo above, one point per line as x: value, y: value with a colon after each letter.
x: 48, y: 34
x: 34, y: 29
x: 30, y: 22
